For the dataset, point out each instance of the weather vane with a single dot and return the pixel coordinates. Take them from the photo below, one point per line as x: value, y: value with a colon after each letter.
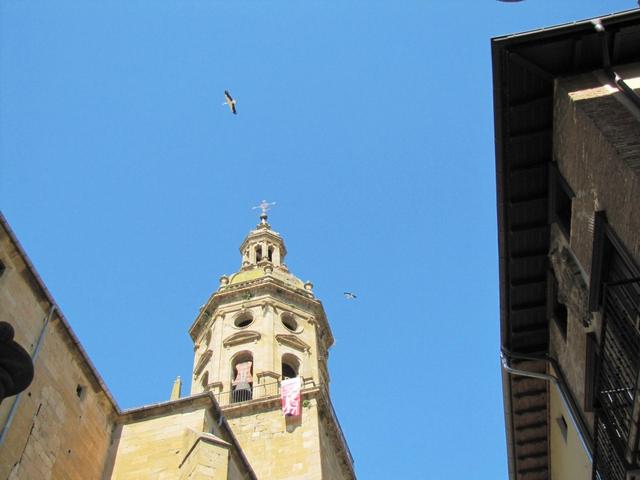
x: 264, y: 206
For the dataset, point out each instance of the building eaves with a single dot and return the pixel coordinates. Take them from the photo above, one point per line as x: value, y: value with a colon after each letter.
x: 569, y: 28
x: 525, y: 67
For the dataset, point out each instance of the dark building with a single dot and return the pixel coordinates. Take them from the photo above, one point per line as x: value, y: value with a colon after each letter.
x: 567, y: 132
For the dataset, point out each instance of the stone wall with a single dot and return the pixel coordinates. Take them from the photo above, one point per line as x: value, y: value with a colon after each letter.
x: 331, y: 465
x: 153, y: 447
x: 278, y: 447
x: 597, y: 150
x: 571, y: 351
x: 63, y: 421
x: 597, y: 147
x: 174, y: 440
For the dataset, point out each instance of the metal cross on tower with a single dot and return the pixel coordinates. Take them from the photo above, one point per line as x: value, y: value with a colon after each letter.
x: 264, y: 206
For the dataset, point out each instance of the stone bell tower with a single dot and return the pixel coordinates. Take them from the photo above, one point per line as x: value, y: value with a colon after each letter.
x: 261, y: 326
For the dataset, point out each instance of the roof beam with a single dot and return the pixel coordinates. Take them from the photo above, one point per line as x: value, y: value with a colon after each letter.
x: 529, y: 65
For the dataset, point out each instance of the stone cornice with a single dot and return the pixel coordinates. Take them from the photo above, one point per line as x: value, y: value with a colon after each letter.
x: 240, y: 338
x: 184, y: 404
x: 265, y: 403
x: 293, y: 342
x: 268, y: 374
x: 202, y: 361
x: 263, y: 286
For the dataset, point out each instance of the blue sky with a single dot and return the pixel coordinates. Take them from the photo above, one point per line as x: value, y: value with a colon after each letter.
x: 369, y: 123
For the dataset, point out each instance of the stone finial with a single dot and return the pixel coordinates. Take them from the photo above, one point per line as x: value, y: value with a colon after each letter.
x: 224, y: 281
x: 308, y: 286
x: 176, y: 391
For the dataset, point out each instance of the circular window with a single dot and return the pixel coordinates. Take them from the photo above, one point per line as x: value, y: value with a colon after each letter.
x: 243, y: 320
x: 289, y: 322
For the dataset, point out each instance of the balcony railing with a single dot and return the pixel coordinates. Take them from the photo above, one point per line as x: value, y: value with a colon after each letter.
x: 616, y: 432
x: 608, y: 463
x: 255, y: 392
x: 259, y: 391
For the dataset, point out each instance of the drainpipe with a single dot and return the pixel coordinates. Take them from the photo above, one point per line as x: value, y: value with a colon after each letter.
x: 34, y: 356
x: 576, y: 419
x: 606, y: 59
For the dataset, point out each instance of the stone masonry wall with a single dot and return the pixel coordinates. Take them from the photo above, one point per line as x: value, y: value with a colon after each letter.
x: 279, y: 448
x: 597, y: 147
x: 153, y: 448
x: 181, y: 442
x: 63, y: 421
x: 597, y: 150
x: 331, y: 465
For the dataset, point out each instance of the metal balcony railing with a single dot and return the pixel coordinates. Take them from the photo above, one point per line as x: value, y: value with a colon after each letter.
x: 607, y: 462
x: 616, y: 434
x: 256, y: 391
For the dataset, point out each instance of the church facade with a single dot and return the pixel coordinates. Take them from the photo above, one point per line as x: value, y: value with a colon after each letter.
x: 262, y: 329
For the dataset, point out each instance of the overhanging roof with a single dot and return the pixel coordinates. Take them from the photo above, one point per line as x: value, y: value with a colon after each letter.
x: 524, y: 68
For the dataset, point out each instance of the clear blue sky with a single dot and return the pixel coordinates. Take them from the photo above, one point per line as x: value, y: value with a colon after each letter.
x: 371, y: 125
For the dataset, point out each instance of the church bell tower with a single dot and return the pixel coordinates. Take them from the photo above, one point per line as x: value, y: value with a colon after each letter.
x: 264, y: 325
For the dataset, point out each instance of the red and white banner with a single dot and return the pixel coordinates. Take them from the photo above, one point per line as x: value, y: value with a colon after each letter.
x: 290, y: 396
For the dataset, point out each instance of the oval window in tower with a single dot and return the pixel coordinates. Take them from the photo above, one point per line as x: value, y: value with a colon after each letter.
x: 289, y: 322
x: 243, y: 320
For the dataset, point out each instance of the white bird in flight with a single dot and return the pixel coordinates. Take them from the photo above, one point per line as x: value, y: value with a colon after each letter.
x: 228, y: 100
x: 350, y: 296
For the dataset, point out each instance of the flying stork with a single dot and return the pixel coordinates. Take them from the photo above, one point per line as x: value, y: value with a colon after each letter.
x: 228, y: 99
x: 350, y: 295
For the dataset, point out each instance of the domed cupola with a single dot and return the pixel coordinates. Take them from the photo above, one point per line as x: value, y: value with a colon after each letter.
x: 263, y: 246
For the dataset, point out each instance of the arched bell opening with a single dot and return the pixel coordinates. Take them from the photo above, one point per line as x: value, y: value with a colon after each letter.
x: 270, y: 251
x: 290, y: 366
x: 242, y: 377
x: 258, y: 251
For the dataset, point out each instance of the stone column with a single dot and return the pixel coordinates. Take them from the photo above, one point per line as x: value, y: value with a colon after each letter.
x: 311, y: 366
x: 269, y: 315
